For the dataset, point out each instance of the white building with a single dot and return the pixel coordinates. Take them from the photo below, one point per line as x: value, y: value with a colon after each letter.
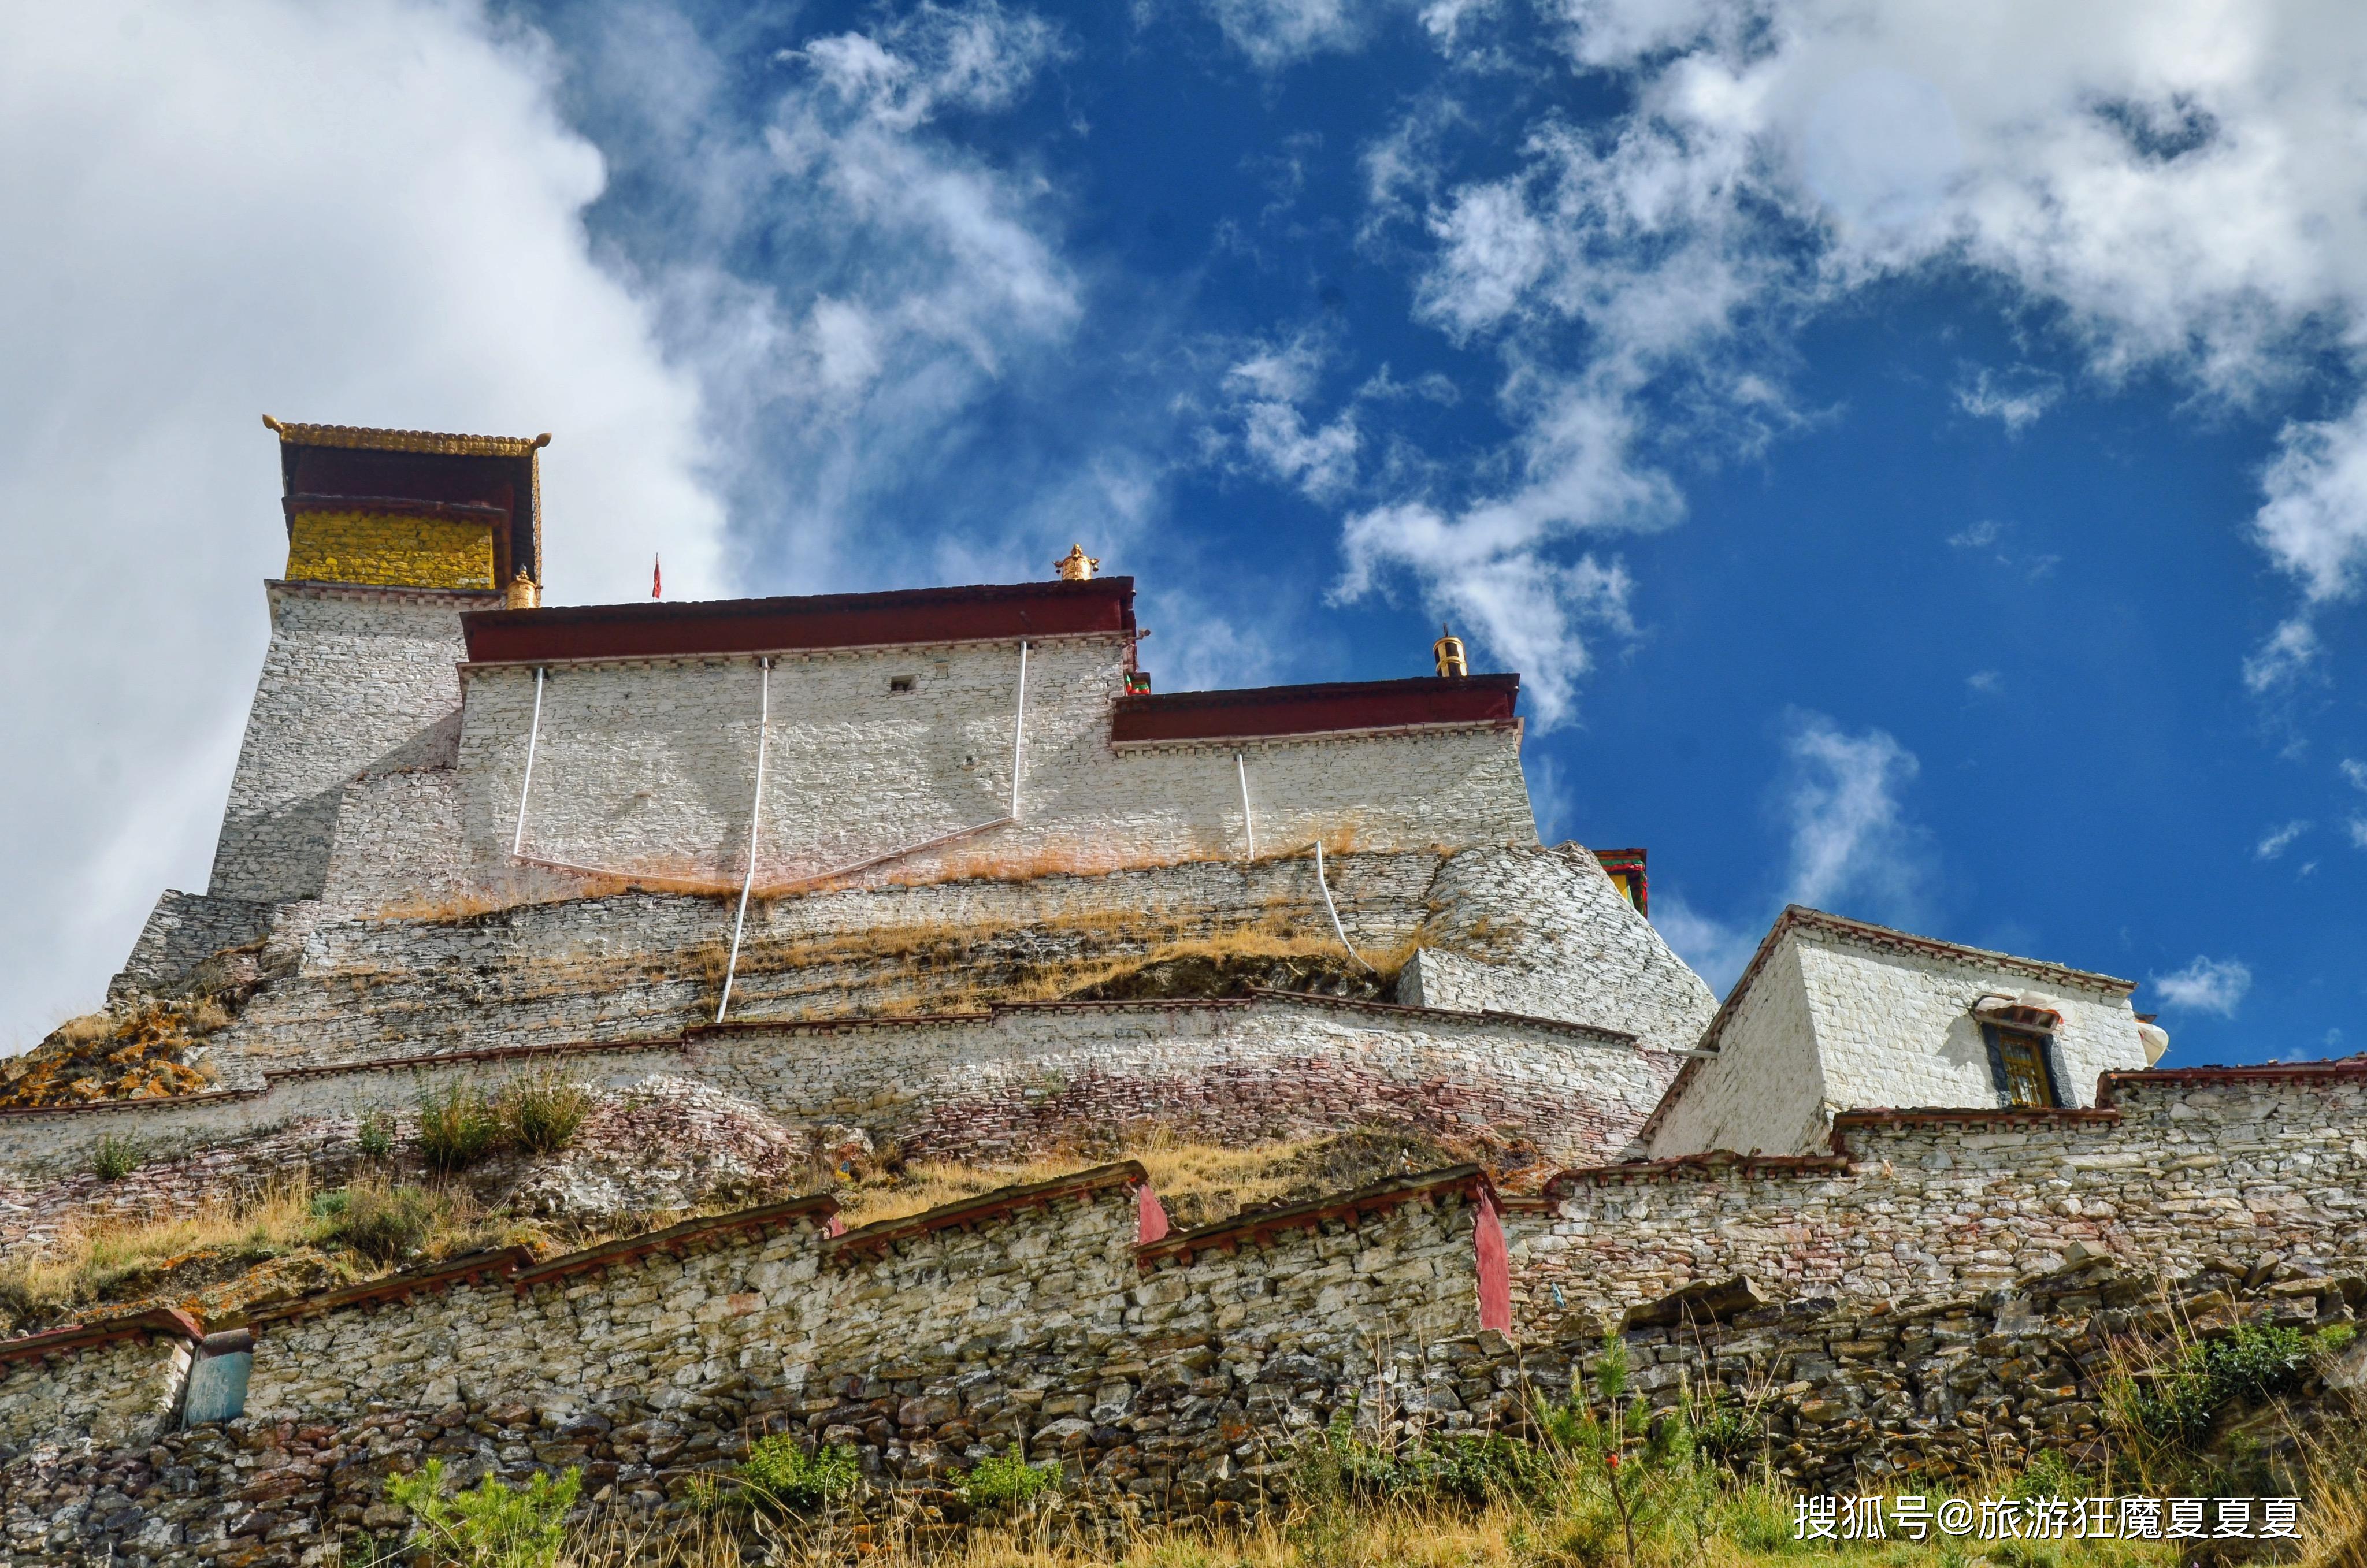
x: 1835, y: 1014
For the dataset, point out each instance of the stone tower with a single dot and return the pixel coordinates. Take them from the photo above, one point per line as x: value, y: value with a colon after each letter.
x: 391, y: 533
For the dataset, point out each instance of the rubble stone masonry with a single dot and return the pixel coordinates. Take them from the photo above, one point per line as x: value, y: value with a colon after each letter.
x: 1165, y: 1378
x: 1017, y: 1080
x: 1914, y: 1306
x: 355, y: 679
x: 2171, y: 1171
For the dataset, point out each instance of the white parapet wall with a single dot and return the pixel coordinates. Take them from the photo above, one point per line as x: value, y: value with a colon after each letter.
x: 646, y: 768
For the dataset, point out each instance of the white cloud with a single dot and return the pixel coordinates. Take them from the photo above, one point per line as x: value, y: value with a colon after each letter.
x: 2016, y: 402
x: 2357, y: 828
x: 1980, y: 536
x: 366, y: 213
x: 848, y: 282
x: 1986, y: 682
x: 2354, y: 773
x: 1851, y: 840
x: 1276, y: 33
x: 2286, y: 658
x: 2172, y: 188
x: 2207, y: 985
x: 1264, y: 390
x: 1851, y: 846
x: 2279, y: 840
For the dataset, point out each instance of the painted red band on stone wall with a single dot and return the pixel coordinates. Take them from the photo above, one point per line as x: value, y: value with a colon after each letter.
x: 1150, y: 1215
x: 828, y: 620
x: 1494, y: 1265
x: 1301, y: 710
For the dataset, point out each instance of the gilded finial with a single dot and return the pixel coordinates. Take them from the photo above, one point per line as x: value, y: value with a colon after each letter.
x: 1448, y: 651
x: 1076, y: 566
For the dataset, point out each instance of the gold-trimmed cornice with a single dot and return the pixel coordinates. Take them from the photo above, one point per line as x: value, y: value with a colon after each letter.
x: 361, y: 438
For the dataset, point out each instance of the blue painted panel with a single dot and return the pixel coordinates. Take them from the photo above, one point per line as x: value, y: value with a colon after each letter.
x: 217, y: 1388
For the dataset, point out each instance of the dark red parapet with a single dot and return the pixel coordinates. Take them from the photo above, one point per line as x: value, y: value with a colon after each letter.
x: 1308, y: 710
x: 664, y: 629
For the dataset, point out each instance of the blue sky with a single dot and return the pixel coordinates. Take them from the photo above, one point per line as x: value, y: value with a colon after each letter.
x: 1915, y: 459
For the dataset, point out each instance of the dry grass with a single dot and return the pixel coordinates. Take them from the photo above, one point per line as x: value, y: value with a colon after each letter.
x: 1180, y: 1172
x: 959, y: 967
x: 96, y: 1262
x: 230, y: 1251
x: 1746, y: 1526
x: 1198, y: 1182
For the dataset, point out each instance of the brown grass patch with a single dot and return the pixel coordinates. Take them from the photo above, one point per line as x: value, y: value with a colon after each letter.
x: 227, y: 1253
x: 1200, y: 1183
x: 945, y: 967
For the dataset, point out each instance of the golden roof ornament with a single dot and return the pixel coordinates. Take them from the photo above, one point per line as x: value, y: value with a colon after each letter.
x: 1448, y: 651
x: 1076, y: 566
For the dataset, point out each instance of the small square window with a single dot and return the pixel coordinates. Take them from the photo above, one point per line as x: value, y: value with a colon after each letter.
x: 2019, y: 1058
x: 899, y: 683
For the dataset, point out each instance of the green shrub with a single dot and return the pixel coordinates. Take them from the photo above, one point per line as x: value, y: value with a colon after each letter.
x: 493, y: 1526
x: 117, y: 1155
x: 542, y: 1113
x: 375, y: 1137
x: 779, y: 1474
x: 2049, y: 1476
x: 1338, y: 1465
x: 2256, y: 1361
x: 1006, y: 1480
x: 1728, y: 1431
x: 457, y: 1128
x: 384, y: 1224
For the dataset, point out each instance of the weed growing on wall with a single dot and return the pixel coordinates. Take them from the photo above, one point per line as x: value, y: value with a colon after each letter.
x: 117, y: 1155
x: 780, y: 1476
x: 374, y: 1139
x: 2171, y: 1408
x: 1007, y: 1481
x: 542, y: 1113
x: 383, y: 1224
x: 457, y: 1127
x: 493, y: 1526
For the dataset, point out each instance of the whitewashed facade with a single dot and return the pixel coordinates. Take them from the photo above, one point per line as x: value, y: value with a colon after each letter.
x: 1835, y: 1014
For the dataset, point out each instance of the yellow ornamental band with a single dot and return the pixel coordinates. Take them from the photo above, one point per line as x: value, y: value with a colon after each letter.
x: 390, y: 551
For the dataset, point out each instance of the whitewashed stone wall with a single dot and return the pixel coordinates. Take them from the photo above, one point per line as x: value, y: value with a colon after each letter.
x: 398, y: 845
x: 1019, y: 1079
x: 1549, y: 934
x: 1831, y: 1023
x: 121, y: 1391
x: 649, y: 768
x: 1896, y: 1029
x: 182, y: 932
x: 1764, y: 1091
x: 646, y: 965
x: 355, y: 679
x: 2211, y: 1167
x: 643, y: 966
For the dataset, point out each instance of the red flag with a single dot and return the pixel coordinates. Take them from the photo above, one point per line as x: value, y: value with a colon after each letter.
x: 657, y: 580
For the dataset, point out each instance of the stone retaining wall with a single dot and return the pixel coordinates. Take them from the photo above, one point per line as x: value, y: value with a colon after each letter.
x: 2174, y: 1171
x: 643, y: 965
x: 111, y: 1384
x: 1166, y: 1377
x: 1018, y: 1079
